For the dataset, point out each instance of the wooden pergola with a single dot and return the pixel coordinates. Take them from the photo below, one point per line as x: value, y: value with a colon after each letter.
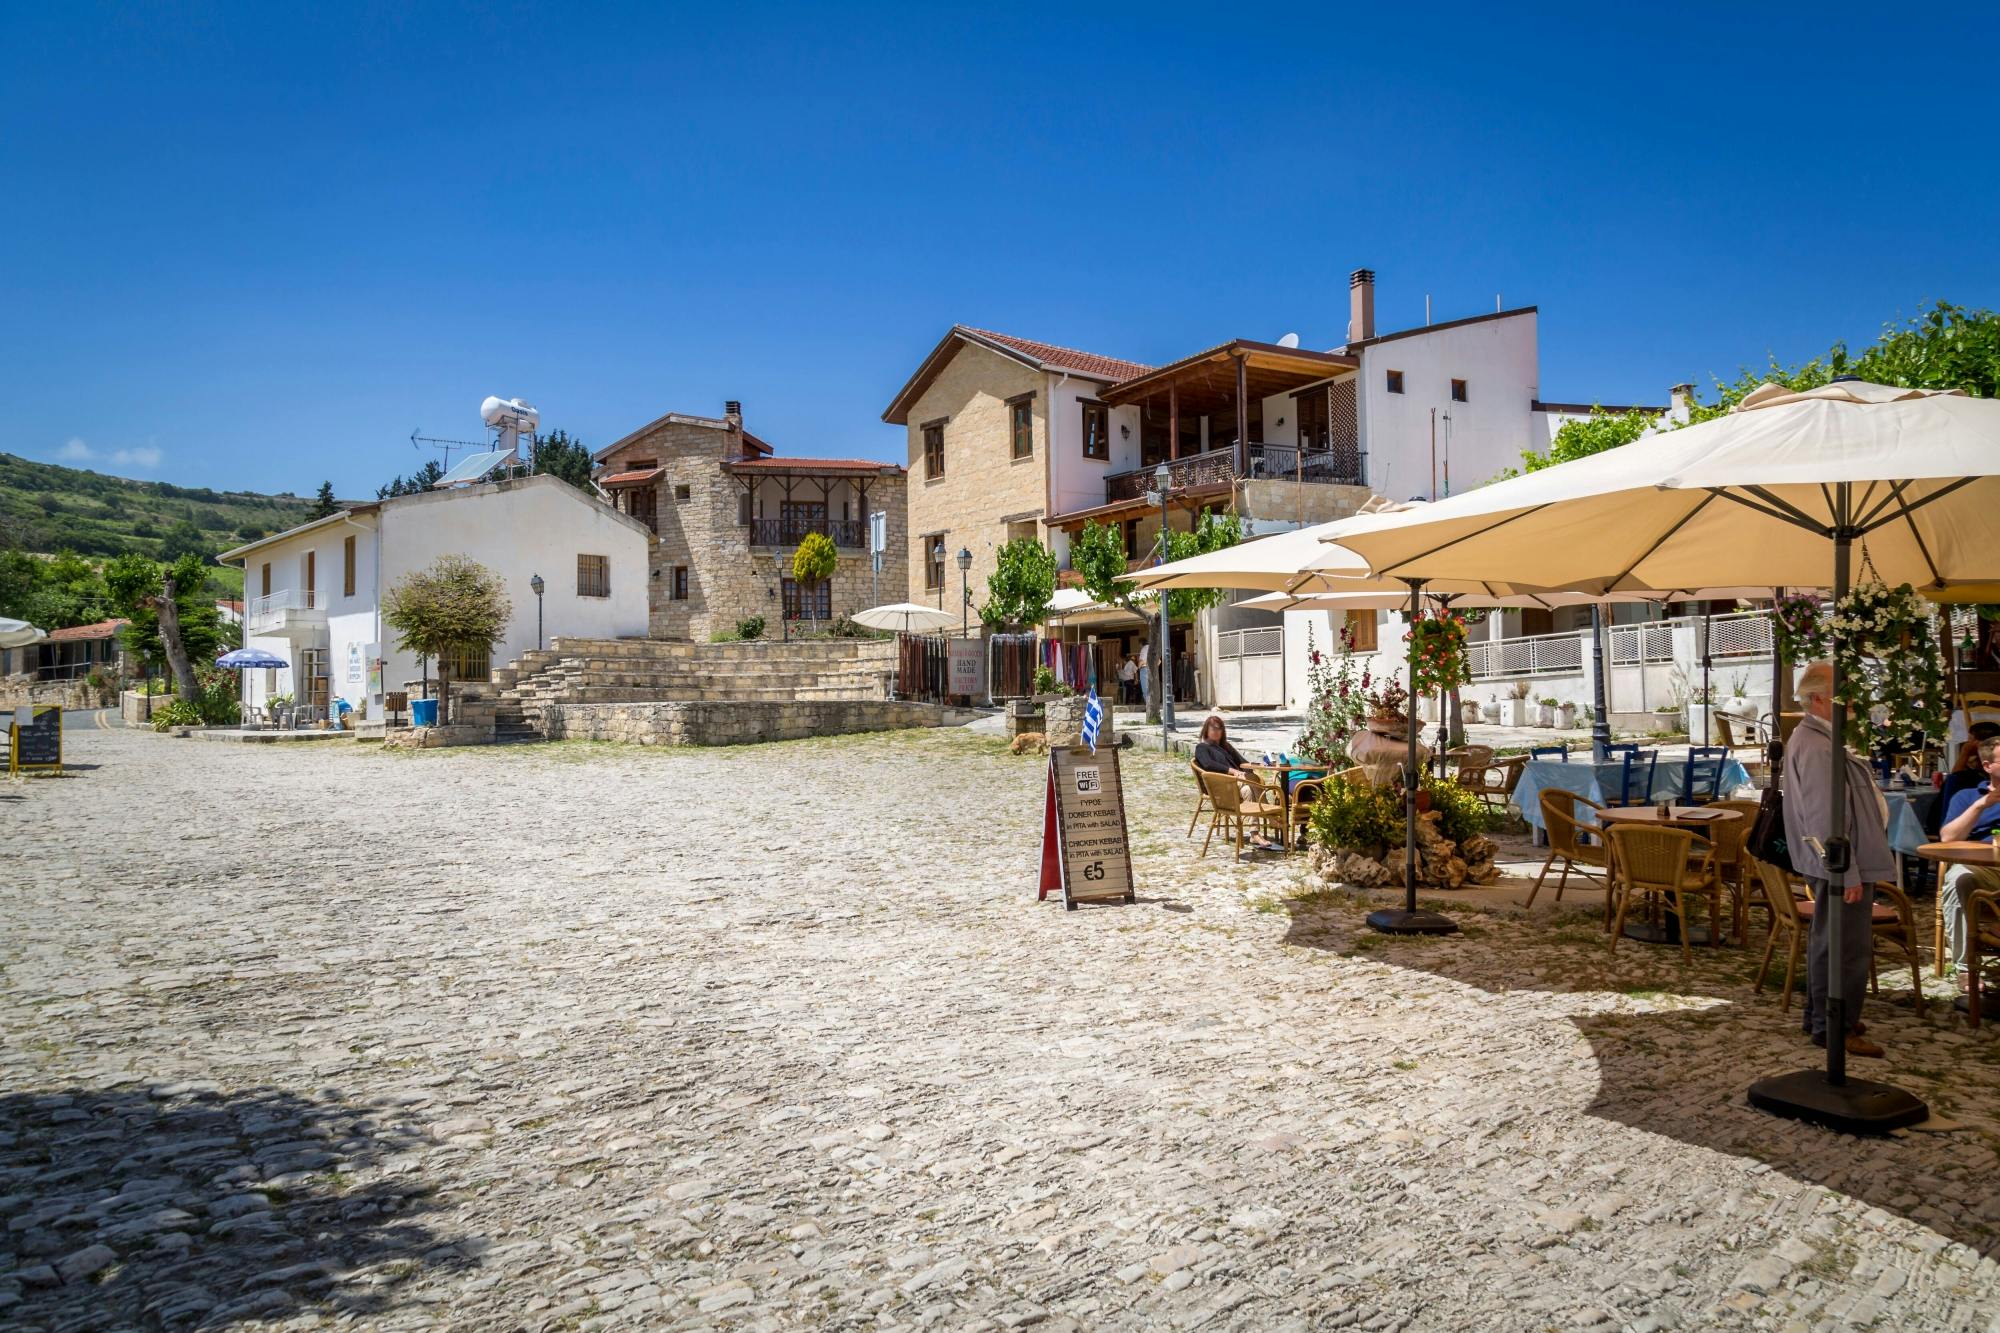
x: 1227, y: 376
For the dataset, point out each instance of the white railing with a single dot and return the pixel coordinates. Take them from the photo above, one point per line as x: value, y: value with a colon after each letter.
x: 1650, y: 642
x: 270, y: 607
x: 1266, y: 641
x: 1532, y: 655
x: 1738, y: 634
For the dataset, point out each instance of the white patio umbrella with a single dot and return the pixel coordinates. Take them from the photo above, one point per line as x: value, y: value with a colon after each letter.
x: 909, y: 617
x: 18, y: 633
x: 1769, y: 492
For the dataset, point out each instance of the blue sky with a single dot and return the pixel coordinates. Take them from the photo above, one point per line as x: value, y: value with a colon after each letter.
x: 256, y: 246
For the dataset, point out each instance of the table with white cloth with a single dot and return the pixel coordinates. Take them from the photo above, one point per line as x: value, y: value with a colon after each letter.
x: 1594, y: 780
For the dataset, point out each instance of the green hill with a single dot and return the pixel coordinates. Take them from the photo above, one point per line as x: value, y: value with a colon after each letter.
x: 45, y: 507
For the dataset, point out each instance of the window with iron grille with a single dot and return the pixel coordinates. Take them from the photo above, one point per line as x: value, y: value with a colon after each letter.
x: 1021, y: 424
x: 593, y: 576
x: 933, y: 450
x: 1096, y: 430
x: 813, y: 601
x: 472, y: 662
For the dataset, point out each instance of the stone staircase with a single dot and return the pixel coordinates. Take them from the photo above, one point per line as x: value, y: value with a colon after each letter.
x: 611, y: 671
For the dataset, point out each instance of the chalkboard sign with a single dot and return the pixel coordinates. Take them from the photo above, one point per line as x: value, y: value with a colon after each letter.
x: 1085, y: 852
x: 37, y: 740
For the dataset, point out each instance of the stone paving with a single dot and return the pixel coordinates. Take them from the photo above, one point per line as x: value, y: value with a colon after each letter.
x: 577, y: 1036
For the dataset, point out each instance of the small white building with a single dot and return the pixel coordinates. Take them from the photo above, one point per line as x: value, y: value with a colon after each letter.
x: 313, y: 594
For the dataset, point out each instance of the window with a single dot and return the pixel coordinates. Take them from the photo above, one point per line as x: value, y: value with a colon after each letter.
x: 1361, y: 631
x: 743, y: 509
x: 680, y: 583
x: 643, y: 503
x: 934, y: 561
x: 1131, y: 539
x: 814, y: 601
x: 1096, y: 430
x: 1021, y: 424
x: 638, y: 465
x: 466, y: 663
x: 683, y: 492
x: 266, y: 576
x: 1395, y: 381
x: 1314, y: 431
x: 593, y: 576
x: 1458, y: 391
x: 1022, y: 531
x: 933, y: 450
x: 312, y: 574
x: 347, y: 568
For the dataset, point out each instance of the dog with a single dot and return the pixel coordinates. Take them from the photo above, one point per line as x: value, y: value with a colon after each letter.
x: 1029, y: 742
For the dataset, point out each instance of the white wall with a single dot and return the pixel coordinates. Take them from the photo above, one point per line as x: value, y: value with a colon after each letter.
x: 1498, y: 360
x: 1076, y: 482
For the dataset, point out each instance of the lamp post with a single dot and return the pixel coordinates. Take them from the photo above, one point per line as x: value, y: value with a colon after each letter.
x: 536, y: 583
x: 1162, y: 485
x: 965, y: 592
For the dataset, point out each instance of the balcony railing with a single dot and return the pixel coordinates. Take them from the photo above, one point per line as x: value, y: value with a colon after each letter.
x: 269, y: 609
x: 1533, y: 655
x: 1267, y: 462
x: 790, y: 531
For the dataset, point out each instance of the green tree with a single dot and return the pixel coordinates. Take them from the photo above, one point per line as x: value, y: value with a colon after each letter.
x: 175, y: 622
x: 1098, y: 554
x: 52, y: 592
x: 1579, y: 439
x: 455, y: 605
x: 557, y: 455
x: 425, y: 477
x: 814, y: 561
x: 1021, y: 585
x: 185, y: 539
x: 323, y: 505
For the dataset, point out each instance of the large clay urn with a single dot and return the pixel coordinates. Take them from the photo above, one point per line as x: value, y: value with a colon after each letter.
x: 1383, y: 747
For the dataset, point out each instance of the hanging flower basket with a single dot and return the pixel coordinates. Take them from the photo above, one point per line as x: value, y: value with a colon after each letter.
x: 1437, y: 653
x: 1885, y: 650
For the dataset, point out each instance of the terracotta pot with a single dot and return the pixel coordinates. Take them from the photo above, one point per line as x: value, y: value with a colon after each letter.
x: 1423, y: 801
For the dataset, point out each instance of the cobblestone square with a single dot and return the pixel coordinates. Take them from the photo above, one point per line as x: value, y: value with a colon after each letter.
x: 579, y: 1036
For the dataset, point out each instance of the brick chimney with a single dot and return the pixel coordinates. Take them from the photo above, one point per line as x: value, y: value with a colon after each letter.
x: 1361, y: 305
x: 1680, y: 402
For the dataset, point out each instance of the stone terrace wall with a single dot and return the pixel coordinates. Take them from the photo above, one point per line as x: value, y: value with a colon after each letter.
x: 734, y: 722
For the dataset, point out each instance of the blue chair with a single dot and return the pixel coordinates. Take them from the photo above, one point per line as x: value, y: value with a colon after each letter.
x: 1556, y: 752
x: 1614, y: 749
x: 1634, y: 785
x: 1701, y: 782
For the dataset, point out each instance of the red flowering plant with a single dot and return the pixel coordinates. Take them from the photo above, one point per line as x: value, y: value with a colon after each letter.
x: 1437, y: 653
x: 1339, y: 696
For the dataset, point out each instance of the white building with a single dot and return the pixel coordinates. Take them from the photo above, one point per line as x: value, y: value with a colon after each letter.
x: 313, y: 594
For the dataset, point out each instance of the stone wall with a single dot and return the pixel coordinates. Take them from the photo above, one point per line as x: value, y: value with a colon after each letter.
x: 19, y: 691
x: 730, y: 722
x: 132, y: 707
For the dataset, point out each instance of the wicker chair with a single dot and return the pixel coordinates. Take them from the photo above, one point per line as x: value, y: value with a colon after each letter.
x: 1982, y: 936
x: 1727, y: 835
x: 1566, y: 840
x: 1201, y: 796
x: 1791, y: 916
x: 1475, y: 771
x: 1233, y: 810
x: 1304, y: 792
x: 1666, y: 864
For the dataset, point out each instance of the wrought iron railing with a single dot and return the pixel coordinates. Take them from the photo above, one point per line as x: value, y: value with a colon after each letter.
x: 1282, y: 462
x: 1217, y: 465
x: 1266, y: 462
x: 791, y: 531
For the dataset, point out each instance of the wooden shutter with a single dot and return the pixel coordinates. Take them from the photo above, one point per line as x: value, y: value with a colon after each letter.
x: 347, y: 568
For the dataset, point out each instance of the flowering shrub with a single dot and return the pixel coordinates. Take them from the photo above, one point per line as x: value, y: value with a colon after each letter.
x: 1800, y: 628
x: 1437, y: 653
x: 1339, y: 699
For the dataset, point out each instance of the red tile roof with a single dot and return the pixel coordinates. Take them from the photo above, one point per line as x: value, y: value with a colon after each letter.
x: 1068, y: 358
x: 631, y: 478
x: 103, y: 629
x: 793, y: 464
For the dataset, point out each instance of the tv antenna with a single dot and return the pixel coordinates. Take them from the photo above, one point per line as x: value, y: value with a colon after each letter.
x: 418, y: 442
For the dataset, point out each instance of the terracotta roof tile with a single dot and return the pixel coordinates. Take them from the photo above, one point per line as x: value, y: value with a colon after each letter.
x: 839, y: 464
x: 630, y: 478
x: 1068, y: 358
x: 103, y: 629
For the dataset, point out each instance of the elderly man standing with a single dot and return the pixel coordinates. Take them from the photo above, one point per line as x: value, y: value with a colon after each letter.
x: 1973, y: 816
x: 1808, y: 809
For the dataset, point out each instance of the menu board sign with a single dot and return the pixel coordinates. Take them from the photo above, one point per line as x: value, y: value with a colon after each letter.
x: 37, y: 739
x: 1085, y: 853
x: 967, y: 662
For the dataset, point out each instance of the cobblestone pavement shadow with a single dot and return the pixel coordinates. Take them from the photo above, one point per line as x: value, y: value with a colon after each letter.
x: 190, y: 1205
x: 1676, y: 1048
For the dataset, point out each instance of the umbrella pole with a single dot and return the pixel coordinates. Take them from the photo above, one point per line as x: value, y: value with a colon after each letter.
x: 1828, y: 1097
x: 1707, y: 690
x: 1600, y: 726
x: 1409, y: 921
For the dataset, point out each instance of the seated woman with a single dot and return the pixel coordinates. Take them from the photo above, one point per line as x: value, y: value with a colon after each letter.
x: 1214, y: 754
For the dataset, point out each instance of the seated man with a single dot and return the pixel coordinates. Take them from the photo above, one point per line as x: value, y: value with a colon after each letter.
x: 1973, y: 815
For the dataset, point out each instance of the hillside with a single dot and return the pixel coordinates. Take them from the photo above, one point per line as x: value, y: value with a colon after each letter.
x: 45, y: 507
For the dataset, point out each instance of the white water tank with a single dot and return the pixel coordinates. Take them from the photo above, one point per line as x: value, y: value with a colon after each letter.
x: 513, y: 412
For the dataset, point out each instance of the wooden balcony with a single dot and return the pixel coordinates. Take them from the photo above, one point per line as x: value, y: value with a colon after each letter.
x: 1266, y: 462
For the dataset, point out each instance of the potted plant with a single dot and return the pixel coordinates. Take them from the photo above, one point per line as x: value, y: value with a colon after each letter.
x: 1547, y: 717
x: 1514, y: 709
x: 1566, y: 716
x: 1472, y: 709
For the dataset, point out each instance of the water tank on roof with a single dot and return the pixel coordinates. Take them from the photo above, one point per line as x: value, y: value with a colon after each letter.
x: 510, y: 412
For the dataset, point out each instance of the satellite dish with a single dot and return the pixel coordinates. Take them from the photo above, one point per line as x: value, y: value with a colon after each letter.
x: 1289, y: 340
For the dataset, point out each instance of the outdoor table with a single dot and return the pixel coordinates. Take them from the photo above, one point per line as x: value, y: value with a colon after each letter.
x: 1278, y: 772
x: 1906, y: 819
x: 1667, y: 931
x: 1588, y: 778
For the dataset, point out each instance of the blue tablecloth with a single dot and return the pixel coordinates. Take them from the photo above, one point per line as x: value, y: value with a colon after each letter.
x: 1593, y: 780
x: 1906, y: 826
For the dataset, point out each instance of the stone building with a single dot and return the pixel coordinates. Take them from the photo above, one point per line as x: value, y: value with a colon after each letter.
x: 726, y: 513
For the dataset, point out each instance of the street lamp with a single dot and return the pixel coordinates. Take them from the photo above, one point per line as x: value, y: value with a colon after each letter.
x: 536, y: 583
x: 965, y: 589
x: 1162, y: 486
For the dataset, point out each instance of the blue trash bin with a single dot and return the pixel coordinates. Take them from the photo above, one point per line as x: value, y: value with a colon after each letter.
x: 423, y: 712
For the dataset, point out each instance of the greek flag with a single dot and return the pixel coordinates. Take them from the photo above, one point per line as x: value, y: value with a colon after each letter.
x: 1093, y: 716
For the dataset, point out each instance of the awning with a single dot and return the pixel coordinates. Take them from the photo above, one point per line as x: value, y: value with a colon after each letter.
x: 639, y: 478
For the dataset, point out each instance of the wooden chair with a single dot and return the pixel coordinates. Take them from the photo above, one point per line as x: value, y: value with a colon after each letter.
x: 1731, y: 860
x: 1554, y: 753
x: 1664, y: 864
x: 1701, y: 779
x: 1566, y: 840
x: 1634, y: 784
x: 1891, y: 922
x: 1475, y: 771
x: 1201, y: 796
x: 1982, y: 935
x: 1233, y: 810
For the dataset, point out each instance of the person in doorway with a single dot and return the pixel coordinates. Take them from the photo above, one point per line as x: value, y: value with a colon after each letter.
x: 1808, y: 775
x: 1214, y: 754
x: 1972, y: 816
x: 1128, y: 680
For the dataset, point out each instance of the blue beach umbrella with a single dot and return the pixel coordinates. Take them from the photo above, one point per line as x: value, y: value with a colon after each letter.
x: 251, y: 658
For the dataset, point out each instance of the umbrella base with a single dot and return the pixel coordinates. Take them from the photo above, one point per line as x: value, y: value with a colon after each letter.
x: 1858, y: 1106
x: 1399, y: 922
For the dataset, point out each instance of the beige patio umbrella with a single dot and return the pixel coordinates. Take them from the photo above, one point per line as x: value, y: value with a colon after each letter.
x: 908, y: 617
x: 1783, y: 485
